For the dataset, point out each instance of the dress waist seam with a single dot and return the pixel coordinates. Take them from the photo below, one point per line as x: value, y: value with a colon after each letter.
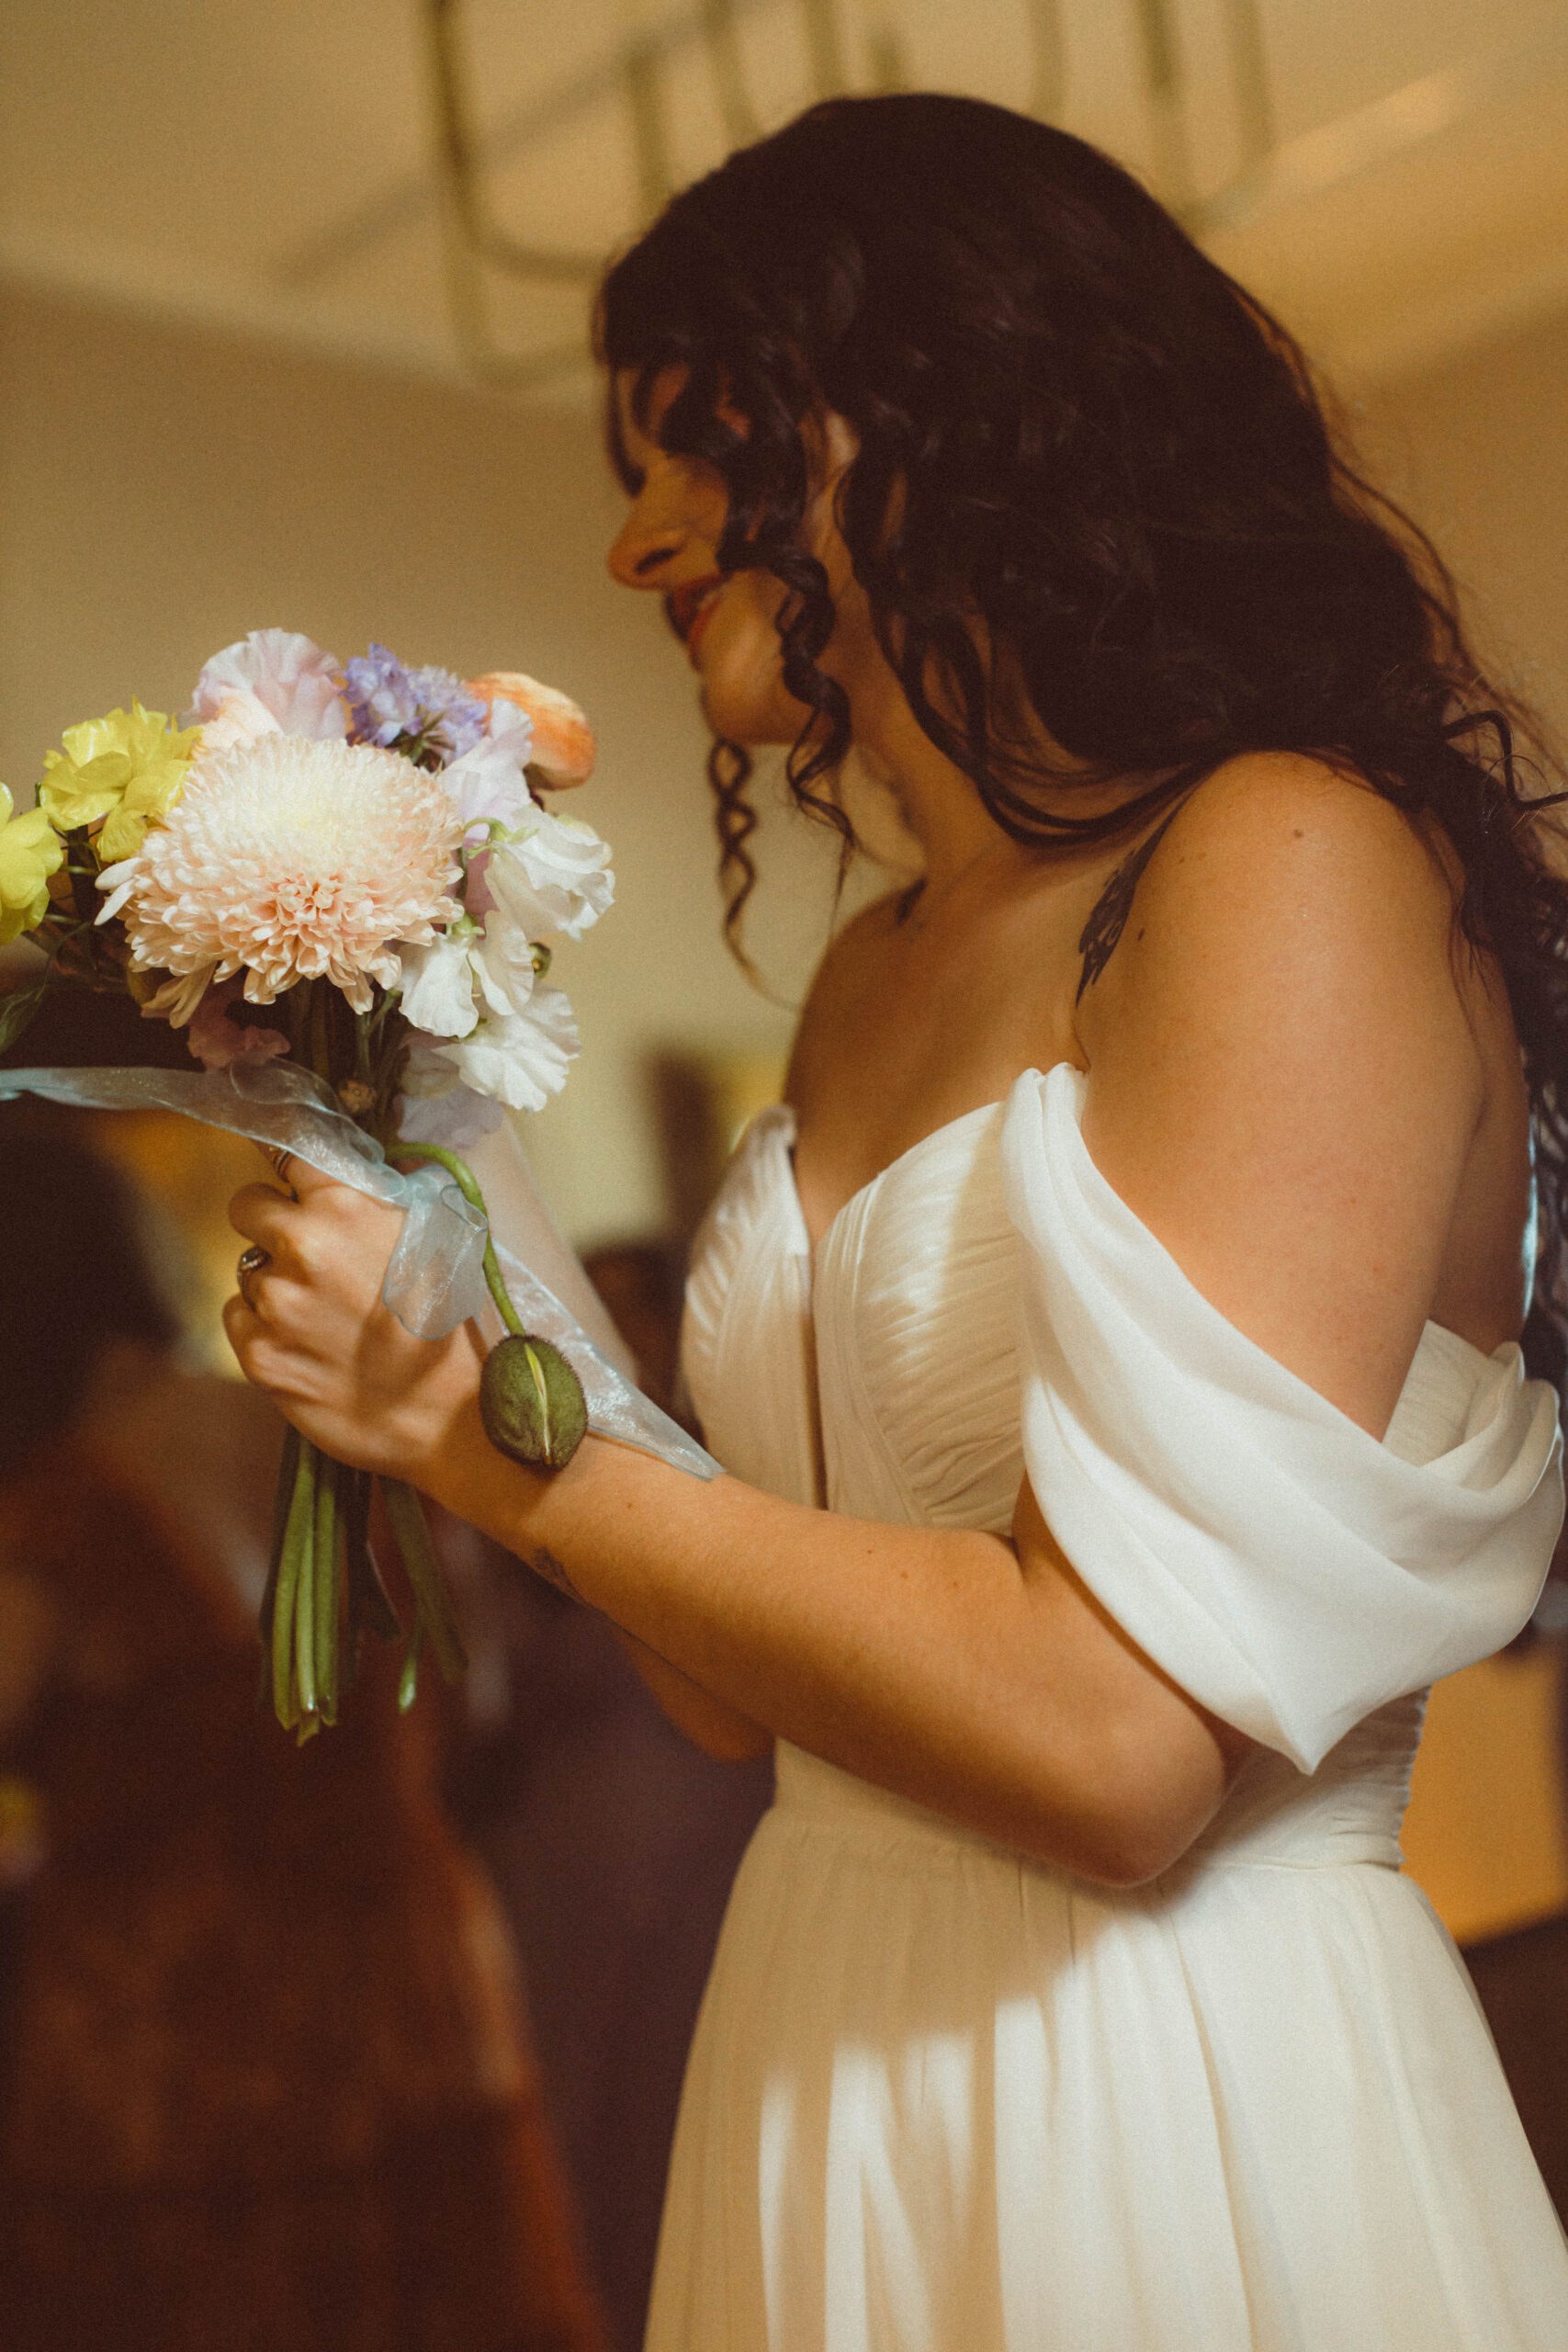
x: 912, y: 1846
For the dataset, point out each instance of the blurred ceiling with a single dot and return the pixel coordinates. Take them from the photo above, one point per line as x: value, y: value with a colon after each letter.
x: 1392, y: 174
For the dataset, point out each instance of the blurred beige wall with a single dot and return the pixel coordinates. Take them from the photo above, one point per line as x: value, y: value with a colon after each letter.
x: 162, y: 491
x: 1478, y: 450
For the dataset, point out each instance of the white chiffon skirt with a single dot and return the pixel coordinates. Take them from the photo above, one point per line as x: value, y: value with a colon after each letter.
x: 942, y: 2100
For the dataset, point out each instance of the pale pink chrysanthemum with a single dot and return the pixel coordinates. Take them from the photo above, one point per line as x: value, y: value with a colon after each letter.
x: 290, y: 859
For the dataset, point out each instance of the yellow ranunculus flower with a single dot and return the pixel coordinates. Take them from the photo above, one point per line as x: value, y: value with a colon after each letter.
x: 31, y: 851
x: 125, y: 769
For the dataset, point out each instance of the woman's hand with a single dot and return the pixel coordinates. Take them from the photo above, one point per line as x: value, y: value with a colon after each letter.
x: 313, y: 1333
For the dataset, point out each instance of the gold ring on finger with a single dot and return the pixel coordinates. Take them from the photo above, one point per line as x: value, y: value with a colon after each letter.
x: 253, y: 1257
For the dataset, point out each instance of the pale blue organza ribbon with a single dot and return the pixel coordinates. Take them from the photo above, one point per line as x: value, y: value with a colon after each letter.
x: 436, y: 1276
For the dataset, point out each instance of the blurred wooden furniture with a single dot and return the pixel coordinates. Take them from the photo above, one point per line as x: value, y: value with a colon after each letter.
x: 1486, y: 1835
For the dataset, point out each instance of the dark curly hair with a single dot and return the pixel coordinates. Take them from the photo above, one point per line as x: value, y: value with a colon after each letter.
x: 1083, y: 444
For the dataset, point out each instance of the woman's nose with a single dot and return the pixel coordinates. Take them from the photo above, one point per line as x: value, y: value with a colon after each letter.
x: 644, y: 550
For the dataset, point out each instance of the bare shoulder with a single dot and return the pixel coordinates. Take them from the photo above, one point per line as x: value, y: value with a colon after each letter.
x: 1276, y: 829
x: 1287, y: 897
x: 1292, y: 1058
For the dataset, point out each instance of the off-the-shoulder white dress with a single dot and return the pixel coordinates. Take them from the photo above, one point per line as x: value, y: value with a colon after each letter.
x: 942, y: 2099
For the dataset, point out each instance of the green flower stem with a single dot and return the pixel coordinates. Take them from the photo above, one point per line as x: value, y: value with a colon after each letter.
x: 298, y: 1536
x: 369, y: 1603
x: 434, y: 1618
x: 321, y: 1035
x: 529, y: 1430
x: 466, y: 1182
x: 305, y: 1597
x: 408, y: 1680
x: 316, y: 1590
x: 320, y: 1542
x: 327, y: 1589
x: 283, y: 1495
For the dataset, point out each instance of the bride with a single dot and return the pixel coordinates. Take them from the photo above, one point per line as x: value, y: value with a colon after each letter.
x: 1113, y: 1341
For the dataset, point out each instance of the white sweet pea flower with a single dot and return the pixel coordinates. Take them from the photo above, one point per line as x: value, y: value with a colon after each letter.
x: 553, y: 874
x: 505, y: 963
x: 468, y: 974
x: 519, y: 1058
x: 512, y: 729
x: 488, y: 783
x: 438, y: 984
x: 436, y: 1107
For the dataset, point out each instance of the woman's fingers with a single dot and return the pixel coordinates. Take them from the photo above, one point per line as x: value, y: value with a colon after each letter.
x: 304, y: 1180
x: 246, y: 1331
x: 328, y: 1224
x: 257, y: 1211
x: 310, y: 1327
x: 388, y: 1407
x: 310, y: 1280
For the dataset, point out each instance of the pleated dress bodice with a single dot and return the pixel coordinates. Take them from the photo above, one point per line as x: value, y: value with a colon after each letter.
x: 883, y: 1379
x: 942, y: 2095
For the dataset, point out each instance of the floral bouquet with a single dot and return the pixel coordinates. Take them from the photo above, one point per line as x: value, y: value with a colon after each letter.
x: 346, y: 872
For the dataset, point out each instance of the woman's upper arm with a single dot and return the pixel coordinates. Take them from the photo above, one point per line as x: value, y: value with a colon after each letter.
x: 720, y: 1731
x: 1284, y: 1084
x: 1154, y: 1763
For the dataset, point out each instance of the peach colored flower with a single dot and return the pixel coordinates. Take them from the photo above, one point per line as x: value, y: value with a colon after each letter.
x: 564, y: 749
x: 288, y: 859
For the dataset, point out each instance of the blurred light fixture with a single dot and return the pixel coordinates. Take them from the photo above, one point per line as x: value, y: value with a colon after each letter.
x: 481, y: 249
x: 478, y: 243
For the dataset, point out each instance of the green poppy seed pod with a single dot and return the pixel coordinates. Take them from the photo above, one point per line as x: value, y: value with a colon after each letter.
x: 531, y: 1404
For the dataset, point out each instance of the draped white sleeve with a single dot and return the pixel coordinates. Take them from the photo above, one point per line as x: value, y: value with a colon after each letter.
x: 1288, y: 1571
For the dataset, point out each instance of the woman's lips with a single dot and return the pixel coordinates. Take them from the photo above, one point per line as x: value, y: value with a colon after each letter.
x: 698, y: 629
x: 691, y: 608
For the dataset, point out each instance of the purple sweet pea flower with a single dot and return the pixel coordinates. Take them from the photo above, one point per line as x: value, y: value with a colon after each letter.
x: 427, y: 712
x: 454, y: 720
x: 381, y: 699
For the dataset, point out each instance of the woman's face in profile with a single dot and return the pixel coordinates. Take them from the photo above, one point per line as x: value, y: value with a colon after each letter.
x: 669, y: 546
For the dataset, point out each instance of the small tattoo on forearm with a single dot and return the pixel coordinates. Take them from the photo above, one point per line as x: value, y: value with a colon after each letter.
x: 545, y: 1563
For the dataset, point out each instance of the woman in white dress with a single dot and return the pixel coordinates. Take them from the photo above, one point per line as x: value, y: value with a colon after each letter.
x: 1113, y: 1344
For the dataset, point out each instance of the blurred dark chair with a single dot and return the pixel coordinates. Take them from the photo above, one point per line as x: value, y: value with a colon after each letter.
x: 1522, y: 1980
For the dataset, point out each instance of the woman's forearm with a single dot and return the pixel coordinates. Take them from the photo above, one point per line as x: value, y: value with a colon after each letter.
x: 971, y: 1675
x: 936, y: 1664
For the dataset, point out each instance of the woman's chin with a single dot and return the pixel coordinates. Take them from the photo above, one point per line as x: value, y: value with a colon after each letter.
x: 741, y: 714
x: 735, y: 649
